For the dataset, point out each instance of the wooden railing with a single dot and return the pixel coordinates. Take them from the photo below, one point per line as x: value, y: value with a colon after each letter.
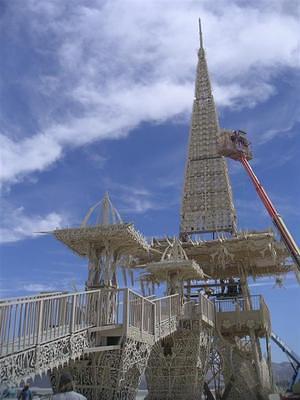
x: 202, y: 308
x: 239, y: 315
x: 27, y: 322
x: 31, y: 321
x: 141, y: 313
x: 239, y: 303
x: 167, y: 309
x: 33, y: 297
x: 207, y: 308
x: 265, y: 313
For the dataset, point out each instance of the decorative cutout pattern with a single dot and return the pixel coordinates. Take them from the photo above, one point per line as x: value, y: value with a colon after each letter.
x: 47, y: 356
x: 109, y: 375
x: 178, y: 364
x: 238, y: 366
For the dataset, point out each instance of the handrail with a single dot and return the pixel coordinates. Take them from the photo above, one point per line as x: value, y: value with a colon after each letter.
x: 141, y: 312
x: 137, y: 294
x: 166, y: 297
x: 24, y: 324
x: 231, y: 304
x: 47, y: 297
x: 63, y: 294
x: 201, y: 308
x: 34, y: 296
x: 28, y: 322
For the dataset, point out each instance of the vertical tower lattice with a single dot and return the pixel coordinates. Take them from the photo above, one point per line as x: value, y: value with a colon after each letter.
x: 207, y: 204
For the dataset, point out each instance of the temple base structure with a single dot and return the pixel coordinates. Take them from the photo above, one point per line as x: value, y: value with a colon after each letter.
x: 109, y: 375
x: 178, y: 364
x: 240, y: 372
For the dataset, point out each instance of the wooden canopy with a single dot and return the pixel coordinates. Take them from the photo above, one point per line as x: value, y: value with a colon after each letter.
x: 257, y: 253
x: 121, y: 237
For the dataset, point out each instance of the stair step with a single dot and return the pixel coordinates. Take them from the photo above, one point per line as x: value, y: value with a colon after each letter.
x: 105, y: 328
x: 102, y: 348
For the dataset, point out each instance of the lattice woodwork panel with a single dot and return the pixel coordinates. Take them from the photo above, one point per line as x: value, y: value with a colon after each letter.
x: 178, y: 364
x: 109, y: 375
x: 207, y: 204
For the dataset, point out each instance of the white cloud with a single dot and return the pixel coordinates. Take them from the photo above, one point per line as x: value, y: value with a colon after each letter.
x: 271, y: 133
x: 135, y: 200
x: 30, y: 154
x: 16, y: 225
x: 38, y: 287
x: 21, y: 287
x: 117, y: 64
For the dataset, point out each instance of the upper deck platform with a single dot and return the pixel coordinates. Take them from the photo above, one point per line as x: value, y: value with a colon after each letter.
x: 258, y: 253
x: 234, y: 317
x: 121, y: 236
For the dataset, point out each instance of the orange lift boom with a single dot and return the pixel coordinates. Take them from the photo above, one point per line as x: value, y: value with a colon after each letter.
x: 234, y: 144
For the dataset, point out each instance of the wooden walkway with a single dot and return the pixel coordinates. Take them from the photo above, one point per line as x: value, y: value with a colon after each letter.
x: 40, y: 332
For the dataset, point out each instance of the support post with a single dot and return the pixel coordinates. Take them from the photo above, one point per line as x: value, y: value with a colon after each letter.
x: 159, y: 318
x: 99, y: 313
x: 269, y: 360
x: 201, y: 305
x: 126, y: 312
x: 142, y: 317
x: 170, y: 312
x: 154, y: 322
x: 40, y: 323
x: 72, y: 326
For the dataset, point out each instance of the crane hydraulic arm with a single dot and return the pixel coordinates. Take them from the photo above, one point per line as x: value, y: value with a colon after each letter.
x: 234, y: 144
x: 276, y: 218
x: 294, y: 358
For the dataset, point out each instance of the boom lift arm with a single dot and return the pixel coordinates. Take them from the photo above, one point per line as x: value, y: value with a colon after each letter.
x: 276, y: 218
x: 293, y: 357
x: 234, y: 144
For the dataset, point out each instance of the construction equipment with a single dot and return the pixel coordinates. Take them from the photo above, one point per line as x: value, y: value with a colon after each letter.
x: 234, y: 144
x: 293, y: 358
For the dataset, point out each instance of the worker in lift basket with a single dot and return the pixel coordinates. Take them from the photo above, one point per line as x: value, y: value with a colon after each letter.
x: 66, y: 389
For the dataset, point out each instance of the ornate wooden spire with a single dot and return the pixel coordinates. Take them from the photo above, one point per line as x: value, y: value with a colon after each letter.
x: 207, y: 204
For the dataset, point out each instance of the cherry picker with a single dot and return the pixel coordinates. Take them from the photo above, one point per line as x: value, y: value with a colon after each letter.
x: 294, y: 361
x: 235, y: 145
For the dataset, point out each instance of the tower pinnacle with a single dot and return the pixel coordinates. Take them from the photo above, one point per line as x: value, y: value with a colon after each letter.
x: 200, y: 34
x: 207, y: 204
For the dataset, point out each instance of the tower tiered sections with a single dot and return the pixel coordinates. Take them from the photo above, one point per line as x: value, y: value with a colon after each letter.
x: 207, y: 204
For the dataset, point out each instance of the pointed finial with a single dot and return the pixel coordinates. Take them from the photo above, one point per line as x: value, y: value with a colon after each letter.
x: 200, y: 34
x: 108, y: 214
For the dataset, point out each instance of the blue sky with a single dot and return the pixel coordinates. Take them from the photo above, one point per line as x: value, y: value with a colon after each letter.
x: 97, y: 96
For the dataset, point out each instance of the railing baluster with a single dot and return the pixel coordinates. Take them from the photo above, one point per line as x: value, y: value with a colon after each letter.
x: 154, y: 321
x: 25, y: 324
x: 45, y: 319
x: 30, y: 316
x: 5, y: 340
x: 64, y: 316
x: 34, y: 322
x: 52, y: 302
x: 7, y: 324
x: 39, y: 336
x: 159, y: 317
x: 2, y: 322
x: 100, y: 308
x: 72, y: 325
x: 126, y: 310
x: 142, y: 315
x: 49, y: 320
x: 38, y: 319
x: 14, y: 327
